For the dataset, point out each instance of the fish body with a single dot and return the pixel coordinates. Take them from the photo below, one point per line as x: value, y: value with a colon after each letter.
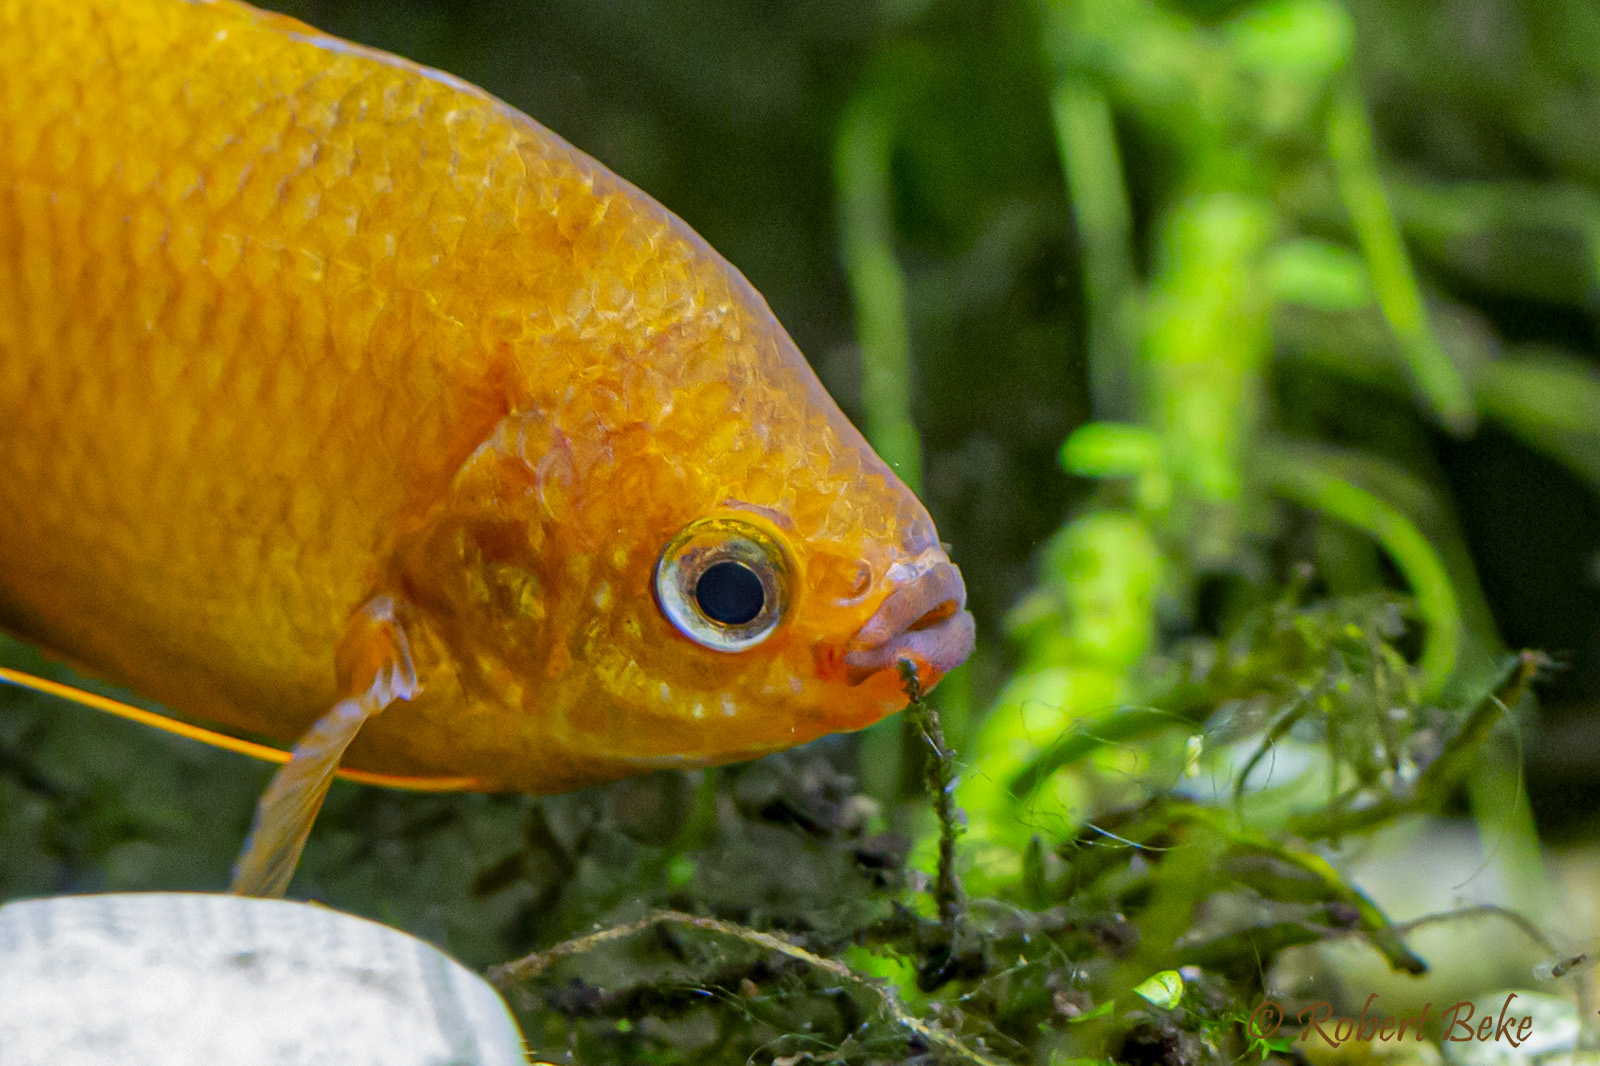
x: 326, y: 377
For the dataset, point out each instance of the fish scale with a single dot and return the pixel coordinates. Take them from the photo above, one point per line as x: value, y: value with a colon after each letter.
x: 331, y: 385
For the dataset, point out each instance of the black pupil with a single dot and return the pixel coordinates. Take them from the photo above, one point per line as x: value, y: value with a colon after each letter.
x: 730, y: 593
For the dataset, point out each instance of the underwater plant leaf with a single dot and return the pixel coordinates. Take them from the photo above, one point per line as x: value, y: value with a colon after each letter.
x: 1310, y: 38
x: 1319, y: 274
x: 1164, y: 989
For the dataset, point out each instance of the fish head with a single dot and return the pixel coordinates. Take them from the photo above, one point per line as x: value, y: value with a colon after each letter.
x: 675, y: 550
x: 726, y: 568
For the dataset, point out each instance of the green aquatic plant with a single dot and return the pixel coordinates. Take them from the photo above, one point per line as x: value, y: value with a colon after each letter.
x: 1206, y: 465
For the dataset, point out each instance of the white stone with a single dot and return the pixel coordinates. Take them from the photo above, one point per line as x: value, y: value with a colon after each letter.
x: 188, y: 978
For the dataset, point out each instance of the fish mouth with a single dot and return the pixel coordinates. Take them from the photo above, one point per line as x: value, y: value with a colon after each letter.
x: 924, y: 621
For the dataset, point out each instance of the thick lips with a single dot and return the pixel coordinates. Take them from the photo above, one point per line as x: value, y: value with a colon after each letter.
x: 924, y: 621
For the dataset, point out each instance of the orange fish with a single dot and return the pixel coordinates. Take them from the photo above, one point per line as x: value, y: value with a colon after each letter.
x: 342, y: 403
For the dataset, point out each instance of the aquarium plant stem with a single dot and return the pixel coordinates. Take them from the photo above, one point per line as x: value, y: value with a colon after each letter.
x: 862, y: 158
x: 1086, y: 138
x: 1355, y: 161
x: 941, y: 781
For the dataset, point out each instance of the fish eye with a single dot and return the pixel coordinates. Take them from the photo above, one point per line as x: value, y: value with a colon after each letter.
x: 723, y: 583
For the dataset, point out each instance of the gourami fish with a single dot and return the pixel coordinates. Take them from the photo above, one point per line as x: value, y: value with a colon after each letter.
x: 344, y: 404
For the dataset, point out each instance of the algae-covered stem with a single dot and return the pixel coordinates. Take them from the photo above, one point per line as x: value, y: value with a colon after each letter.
x: 941, y: 781
x: 508, y: 975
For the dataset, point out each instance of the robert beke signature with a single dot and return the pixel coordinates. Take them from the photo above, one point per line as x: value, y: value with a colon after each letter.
x: 1456, y: 1023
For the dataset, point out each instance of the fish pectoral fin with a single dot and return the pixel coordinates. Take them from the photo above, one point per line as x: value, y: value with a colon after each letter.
x: 286, y: 810
x: 375, y: 661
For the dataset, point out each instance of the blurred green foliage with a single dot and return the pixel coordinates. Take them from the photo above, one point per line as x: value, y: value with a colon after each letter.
x: 1245, y: 352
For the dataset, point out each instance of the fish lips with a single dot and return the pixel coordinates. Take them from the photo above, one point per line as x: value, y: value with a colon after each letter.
x: 924, y: 621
